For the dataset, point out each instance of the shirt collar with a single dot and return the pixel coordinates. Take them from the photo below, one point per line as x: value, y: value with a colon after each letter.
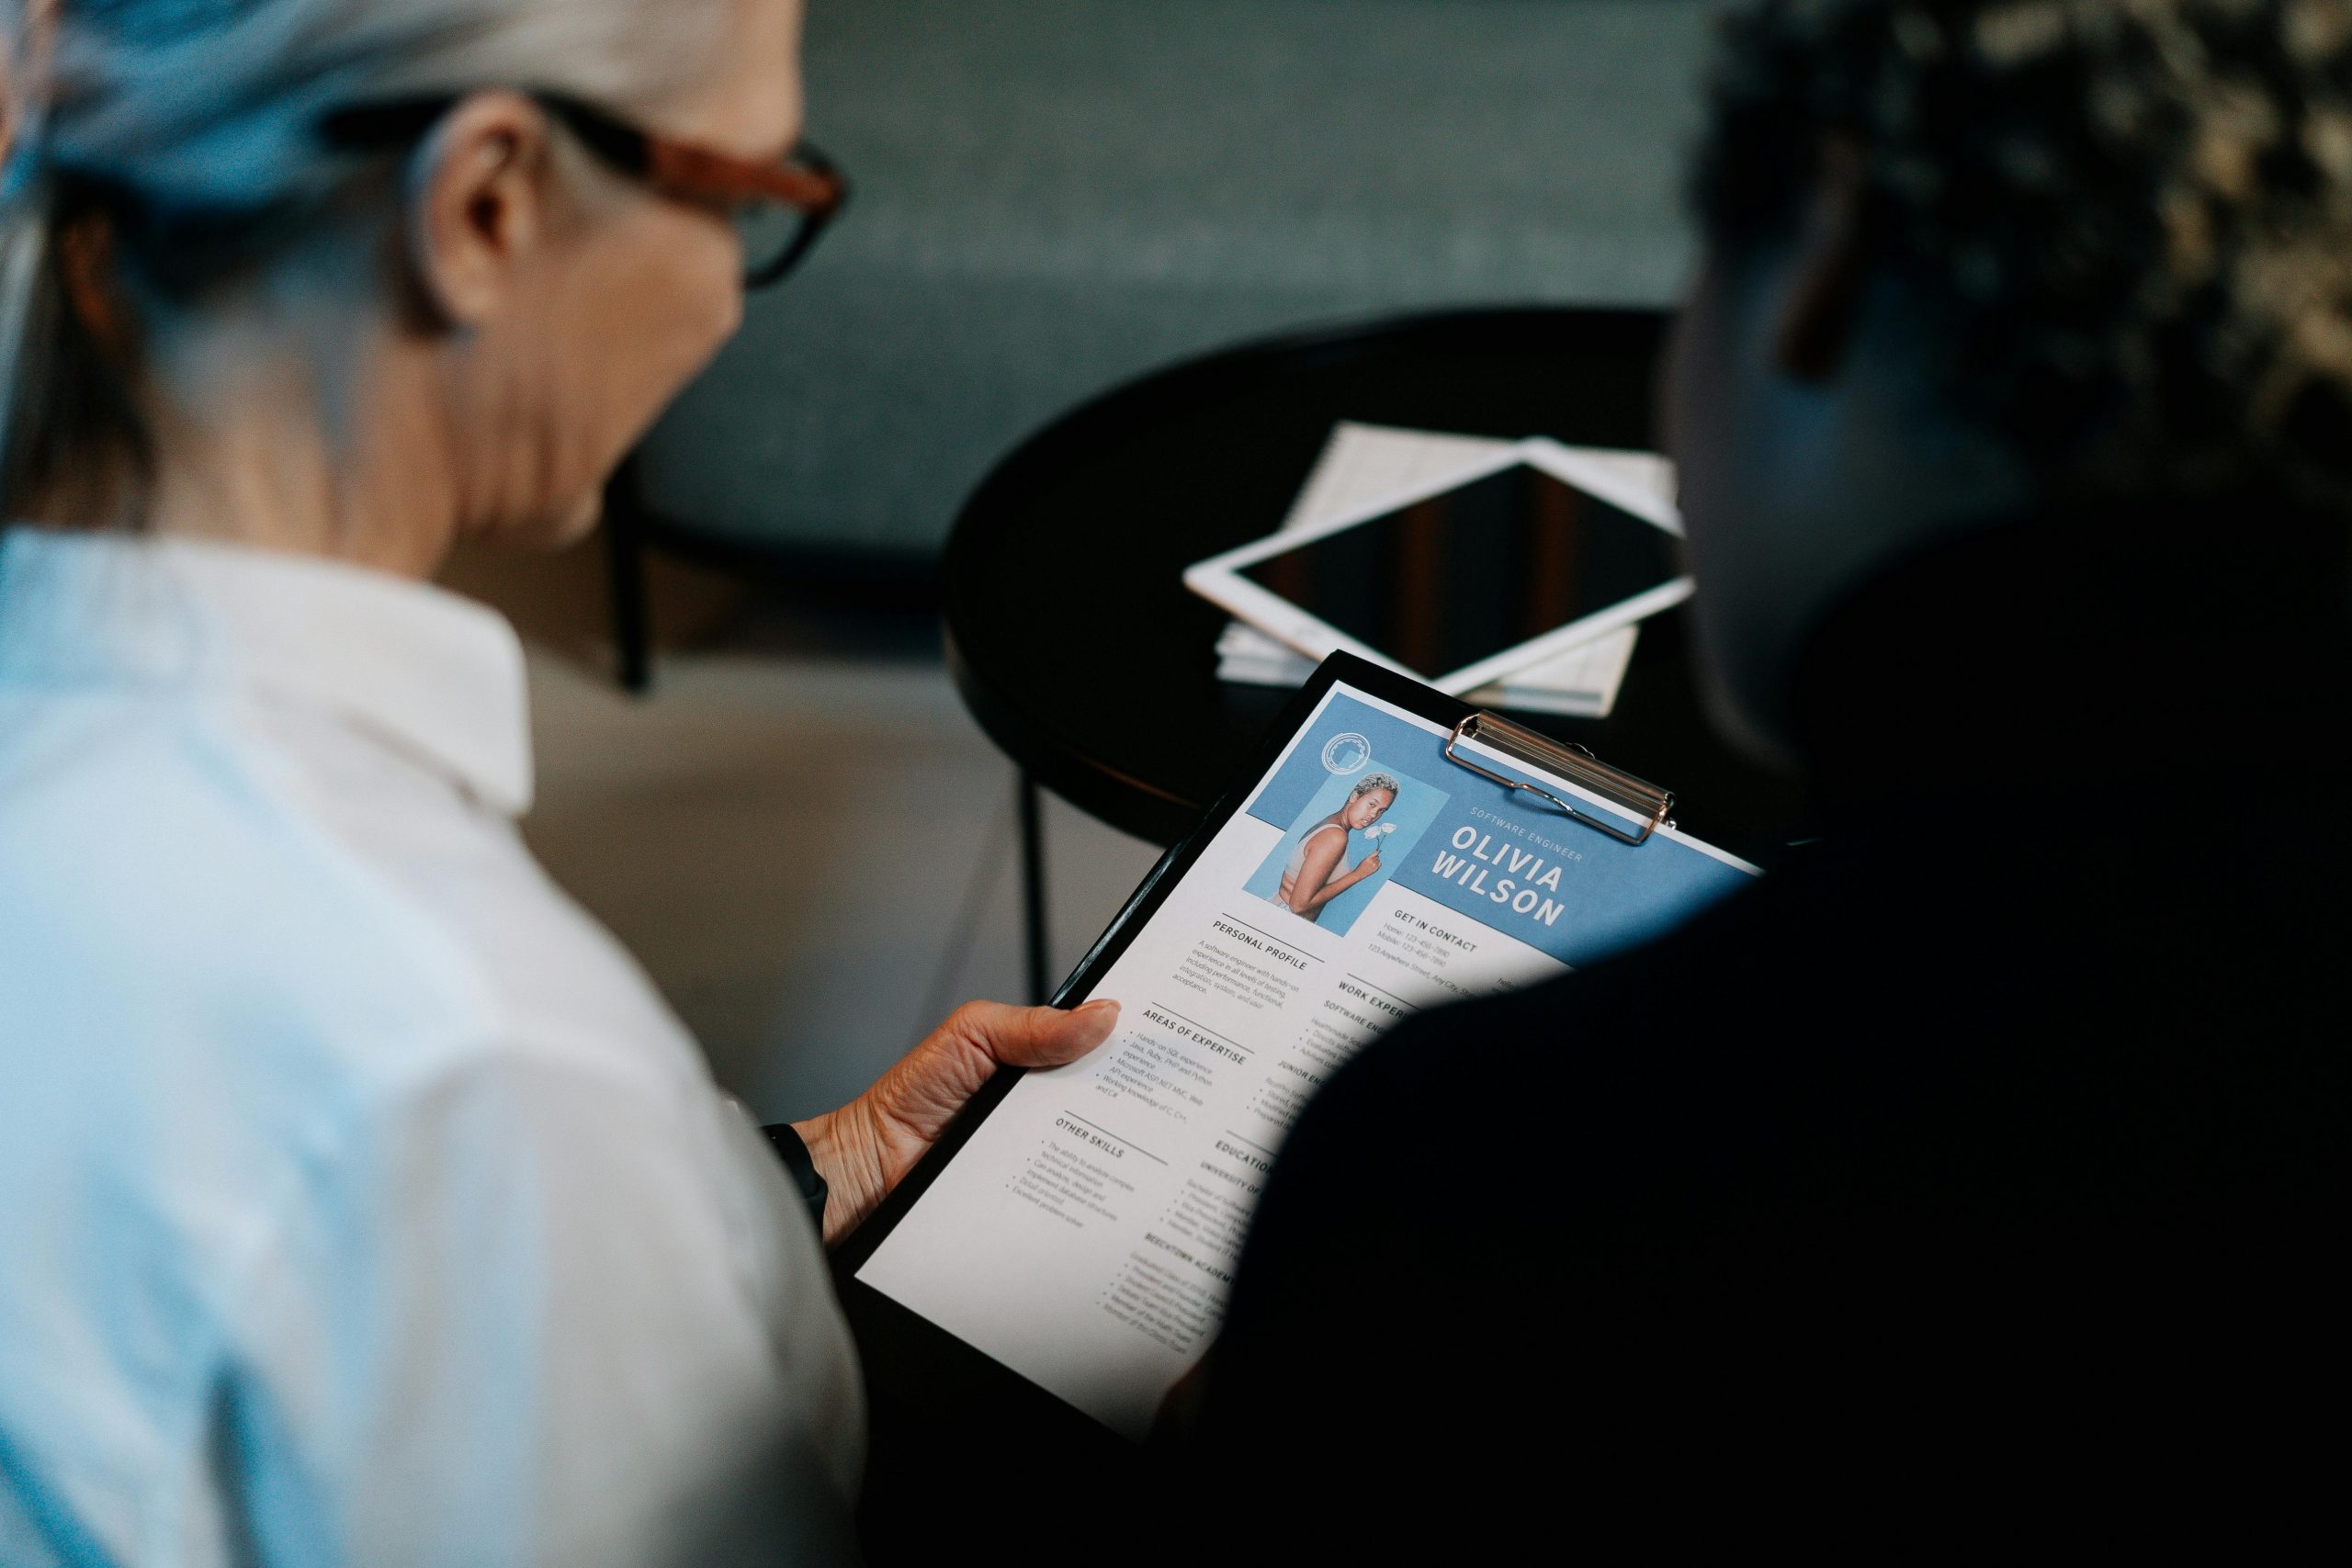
x: 438, y: 677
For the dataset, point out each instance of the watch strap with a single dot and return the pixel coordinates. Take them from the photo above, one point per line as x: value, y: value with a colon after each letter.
x: 794, y: 1152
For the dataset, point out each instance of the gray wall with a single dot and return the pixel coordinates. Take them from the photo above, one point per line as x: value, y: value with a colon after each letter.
x: 1053, y: 195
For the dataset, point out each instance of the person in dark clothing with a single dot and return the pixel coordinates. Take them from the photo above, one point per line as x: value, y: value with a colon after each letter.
x: 1976, y: 1175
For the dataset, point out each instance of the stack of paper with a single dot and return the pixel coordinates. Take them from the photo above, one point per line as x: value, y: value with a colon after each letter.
x: 1363, y: 464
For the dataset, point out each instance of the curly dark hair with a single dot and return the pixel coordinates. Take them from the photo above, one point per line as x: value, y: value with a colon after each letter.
x: 2134, y: 216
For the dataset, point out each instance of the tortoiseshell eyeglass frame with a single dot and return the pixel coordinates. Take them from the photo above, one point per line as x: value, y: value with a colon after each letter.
x: 804, y: 182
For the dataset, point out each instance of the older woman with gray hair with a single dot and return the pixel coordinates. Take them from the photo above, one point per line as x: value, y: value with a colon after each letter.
x: 359, y: 1199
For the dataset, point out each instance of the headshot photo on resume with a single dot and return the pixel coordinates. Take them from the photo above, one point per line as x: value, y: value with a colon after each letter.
x: 1336, y: 848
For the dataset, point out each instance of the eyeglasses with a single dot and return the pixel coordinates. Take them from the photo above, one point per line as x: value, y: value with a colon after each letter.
x: 778, y: 209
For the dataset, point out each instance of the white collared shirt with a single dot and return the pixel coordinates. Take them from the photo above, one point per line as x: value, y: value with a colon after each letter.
x: 360, y: 1201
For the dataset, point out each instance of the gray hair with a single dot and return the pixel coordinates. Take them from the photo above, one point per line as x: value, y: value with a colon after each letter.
x: 190, y: 128
x: 1370, y: 781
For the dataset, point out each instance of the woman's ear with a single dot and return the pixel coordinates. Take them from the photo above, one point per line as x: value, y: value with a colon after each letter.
x: 1826, y: 274
x: 477, y: 205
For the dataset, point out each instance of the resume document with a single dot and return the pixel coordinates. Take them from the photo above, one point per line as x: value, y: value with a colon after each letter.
x: 1087, y: 1233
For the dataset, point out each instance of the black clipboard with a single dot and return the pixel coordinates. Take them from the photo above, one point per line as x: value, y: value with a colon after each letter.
x: 1142, y: 904
x: 937, y: 1399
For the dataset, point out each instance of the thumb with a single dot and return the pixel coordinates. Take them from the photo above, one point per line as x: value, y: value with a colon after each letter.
x: 1034, y: 1037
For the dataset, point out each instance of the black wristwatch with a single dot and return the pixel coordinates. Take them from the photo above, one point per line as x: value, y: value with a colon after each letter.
x: 794, y: 1153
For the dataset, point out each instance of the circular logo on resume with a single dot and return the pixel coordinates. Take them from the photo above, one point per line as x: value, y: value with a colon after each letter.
x: 1347, y: 753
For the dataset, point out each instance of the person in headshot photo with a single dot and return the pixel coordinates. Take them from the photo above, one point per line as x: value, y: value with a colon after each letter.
x: 1317, y: 871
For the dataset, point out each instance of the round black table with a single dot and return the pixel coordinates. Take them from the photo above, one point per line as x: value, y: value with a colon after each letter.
x: 1075, y: 644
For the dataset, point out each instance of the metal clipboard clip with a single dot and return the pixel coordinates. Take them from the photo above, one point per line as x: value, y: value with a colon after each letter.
x: 1644, y: 800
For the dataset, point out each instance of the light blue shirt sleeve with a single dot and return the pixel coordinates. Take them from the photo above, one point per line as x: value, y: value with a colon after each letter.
x: 511, y: 1321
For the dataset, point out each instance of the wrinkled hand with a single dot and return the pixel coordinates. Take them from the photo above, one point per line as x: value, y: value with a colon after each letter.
x: 865, y: 1147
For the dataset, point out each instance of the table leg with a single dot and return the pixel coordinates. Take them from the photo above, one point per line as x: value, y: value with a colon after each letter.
x: 1033, y: 886
x: 625, y: 563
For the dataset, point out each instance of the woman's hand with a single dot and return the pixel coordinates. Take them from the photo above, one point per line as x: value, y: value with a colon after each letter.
x: 1368, y: 866
x: 865, y: 1147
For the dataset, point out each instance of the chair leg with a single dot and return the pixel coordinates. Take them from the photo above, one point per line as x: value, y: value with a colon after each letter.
x: 1033, y: 887
x: 624, y: 558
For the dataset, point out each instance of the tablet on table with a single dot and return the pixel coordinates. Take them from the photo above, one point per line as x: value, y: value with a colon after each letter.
x: 1468, y: 577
